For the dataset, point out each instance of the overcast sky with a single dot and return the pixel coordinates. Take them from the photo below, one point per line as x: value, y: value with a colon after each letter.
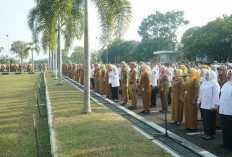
x: 13, y: 18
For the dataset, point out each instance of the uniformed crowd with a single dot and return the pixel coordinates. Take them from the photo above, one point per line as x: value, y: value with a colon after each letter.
x: 185, y: 87
x: 24, y: 68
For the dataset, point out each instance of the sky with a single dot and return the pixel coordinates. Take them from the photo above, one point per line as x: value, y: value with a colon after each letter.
x: 13, y: 19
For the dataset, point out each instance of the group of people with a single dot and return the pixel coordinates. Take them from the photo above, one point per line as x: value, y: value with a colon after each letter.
x: 24, y: 68
x: 186, y: 87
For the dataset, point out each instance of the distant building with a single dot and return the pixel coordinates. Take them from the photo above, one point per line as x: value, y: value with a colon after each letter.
x: 167, y: 56
x: 204, y: 58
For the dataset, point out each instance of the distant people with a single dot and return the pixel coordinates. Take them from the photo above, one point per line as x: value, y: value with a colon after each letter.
x: 222, y: 79
x: 191, y: 88
x: 113, y: 75
x: 133, y: 86
x: 209, y: 100
x: 92, y: 76
x: 154, y: 78
x: 163, y: 85
x: 145, y: 88
x: 124, y: 83
x: 226, y: 112
x: 177, y: 97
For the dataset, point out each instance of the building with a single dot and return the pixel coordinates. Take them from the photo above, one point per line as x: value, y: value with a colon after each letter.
x: 167, y: 56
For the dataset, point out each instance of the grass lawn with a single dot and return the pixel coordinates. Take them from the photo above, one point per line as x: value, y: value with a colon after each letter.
x: 17, y: 106
x: 101, y: 133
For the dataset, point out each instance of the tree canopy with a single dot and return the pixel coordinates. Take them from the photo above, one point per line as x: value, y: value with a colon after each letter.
x: 20, y: 48
x: 213, y: 40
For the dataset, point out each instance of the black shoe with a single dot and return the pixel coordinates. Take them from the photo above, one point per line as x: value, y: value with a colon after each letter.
x: 123, y: 104
x: 152, y: 105
x: 223, y: 146
x: 132, y: 108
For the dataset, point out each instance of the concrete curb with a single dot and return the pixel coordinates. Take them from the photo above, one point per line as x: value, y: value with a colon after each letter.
x: 190, y: 145
x: 50, y: 119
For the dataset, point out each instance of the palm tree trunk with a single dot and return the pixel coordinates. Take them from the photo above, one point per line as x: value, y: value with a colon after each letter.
x: 32, y: 58
x: 59, y: 56
x: 86, y: 105
x: 53, y: 64
x: 49, y: 61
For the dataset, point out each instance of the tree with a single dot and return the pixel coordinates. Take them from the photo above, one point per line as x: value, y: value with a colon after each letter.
x: 210, y: 40
x: 158, y: 32
x: 52, y: 15
x: 1, y: 49
x: 21, y: 49
x: 56, y: 16
x: 78, y: 55
x: 114, y: 18
x: 120, y: 50
x: 65, y: 58
x: 95, y: 57
x: 33, y: 47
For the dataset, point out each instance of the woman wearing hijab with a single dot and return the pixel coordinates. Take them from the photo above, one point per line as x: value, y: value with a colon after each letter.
x: 222, y: 79
x: 145, y: 88
x: 113, y: 76
x: 163, y: 85
x: 184, y: 69
x: 191, y: 88
x: 225, y: 110
x: 209, y: 99
x: 177, y: 97
x: 103, y: 80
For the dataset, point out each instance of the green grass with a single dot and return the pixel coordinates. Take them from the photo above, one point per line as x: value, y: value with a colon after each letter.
x: 101, y: 133
x: 17, y: 106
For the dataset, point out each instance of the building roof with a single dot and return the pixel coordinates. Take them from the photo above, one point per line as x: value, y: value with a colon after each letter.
x: 165, y: 51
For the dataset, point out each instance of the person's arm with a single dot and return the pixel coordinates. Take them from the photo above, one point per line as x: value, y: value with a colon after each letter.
x: 216, y: 91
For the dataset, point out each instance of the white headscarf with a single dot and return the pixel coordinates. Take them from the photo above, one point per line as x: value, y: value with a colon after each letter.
x: 202, y: 79
x: 230, y: 74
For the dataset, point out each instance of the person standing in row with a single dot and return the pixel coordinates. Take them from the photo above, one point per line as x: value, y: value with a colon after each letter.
x: 103, y: 80
x: 190, y: 99
x: 222, y: 79
x: 133, y: 86
x: 113, y: 75
x: 209, y: 100
x: 154, y: 88
x: 177, y: 97
x: 225, y: 110
x: 97, y: 78
x: 91, y: 76
x: 124, y: 82
x: 145, y: 83
x: 163, y: 85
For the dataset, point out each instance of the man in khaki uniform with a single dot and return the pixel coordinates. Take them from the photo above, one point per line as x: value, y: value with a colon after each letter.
x: 124, y: 81
x: 133, y: 86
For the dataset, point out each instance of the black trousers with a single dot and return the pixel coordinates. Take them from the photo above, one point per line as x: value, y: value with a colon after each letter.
x: 153, y: 96
x: 115, y: 92
x: 169, y: 96
x: 209, y: 121
x: 92, y: 82
x: 227, y: 130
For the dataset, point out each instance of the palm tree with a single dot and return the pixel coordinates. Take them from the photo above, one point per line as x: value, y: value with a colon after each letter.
x: 53, y: 17
x: 114, y: 17
x: 33, y: 47
x: 66, y: 16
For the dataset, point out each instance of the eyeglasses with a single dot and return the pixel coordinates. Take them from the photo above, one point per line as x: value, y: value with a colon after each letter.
x: 219, y: 69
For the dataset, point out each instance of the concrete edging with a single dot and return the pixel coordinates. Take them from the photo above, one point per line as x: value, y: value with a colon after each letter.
x: 50, y: 119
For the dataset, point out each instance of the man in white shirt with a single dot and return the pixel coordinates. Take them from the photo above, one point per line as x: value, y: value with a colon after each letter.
x: 91, y: 75
x: 154, y: 78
